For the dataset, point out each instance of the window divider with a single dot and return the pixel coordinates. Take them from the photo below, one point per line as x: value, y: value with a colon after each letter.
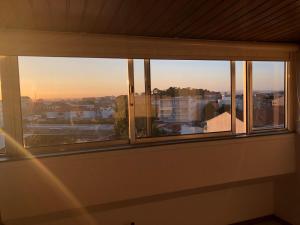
x: 233, y: 96
x: 131, y: 105
x: 286, y: 94
x: 11, y: 100
x: 249, y: 97
x: 148, y: 96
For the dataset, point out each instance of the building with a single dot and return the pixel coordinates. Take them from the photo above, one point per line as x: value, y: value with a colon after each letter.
x: 278, y: 102
x: 222, y: 122
x: 106, y: 113
x: 179, y: 109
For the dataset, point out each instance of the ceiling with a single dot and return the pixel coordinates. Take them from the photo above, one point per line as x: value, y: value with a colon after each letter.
x: 236, y: 20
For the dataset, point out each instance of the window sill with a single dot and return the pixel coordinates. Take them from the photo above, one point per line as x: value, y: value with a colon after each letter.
x: 5, y: 158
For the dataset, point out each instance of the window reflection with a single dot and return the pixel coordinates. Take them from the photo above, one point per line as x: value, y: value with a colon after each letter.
x: 268, y: 95
x: 140, y: 98
x: 190, y: 97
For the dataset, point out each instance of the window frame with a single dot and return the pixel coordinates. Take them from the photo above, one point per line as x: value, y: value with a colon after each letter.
x: 248, y: 105
x: 147, y: 80
x: 14, y: 113
x: 13, y: 123
x: 249, y: 92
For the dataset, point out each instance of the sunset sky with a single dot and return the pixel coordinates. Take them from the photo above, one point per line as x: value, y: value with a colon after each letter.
x: 58, y: 77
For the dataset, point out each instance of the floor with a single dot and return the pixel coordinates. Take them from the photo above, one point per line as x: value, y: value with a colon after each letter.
x: 268, y: 223
x: 268, y: 220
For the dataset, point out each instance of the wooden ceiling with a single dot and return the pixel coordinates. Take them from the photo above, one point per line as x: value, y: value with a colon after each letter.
x: 236, y: 20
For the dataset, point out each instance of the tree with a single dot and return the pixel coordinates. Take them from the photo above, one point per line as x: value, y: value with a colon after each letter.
x: 177, y: 91
x: 209, y: 111
x: 224, y: 108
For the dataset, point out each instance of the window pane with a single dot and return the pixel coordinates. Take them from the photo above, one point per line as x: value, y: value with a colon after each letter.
x: 190, y: 97
x: 140, y: 98
x: 73, y: 100
x: 240, y: 97
x: 268, y: 95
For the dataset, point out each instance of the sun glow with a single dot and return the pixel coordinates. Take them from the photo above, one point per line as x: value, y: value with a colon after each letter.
x: 57, y: 184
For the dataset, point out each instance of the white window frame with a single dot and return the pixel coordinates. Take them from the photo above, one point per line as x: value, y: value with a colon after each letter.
x: 13, y: 115
x: 147, y: 81
x: 248, y: 106
x: 13, y: 124
x: 249, y: 93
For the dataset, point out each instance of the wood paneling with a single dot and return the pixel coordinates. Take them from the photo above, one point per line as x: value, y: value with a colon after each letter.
x: 243, y: 20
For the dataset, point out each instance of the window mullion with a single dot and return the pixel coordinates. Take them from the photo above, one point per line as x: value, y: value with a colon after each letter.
x: 249, y: 98
x: 148, y: 95
x: 131, y: 105
x: 233, y: 96
x: 286, y: 95
x: 11, y: 99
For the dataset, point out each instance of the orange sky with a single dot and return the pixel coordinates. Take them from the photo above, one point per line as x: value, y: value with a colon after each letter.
x: 50, y: 77
x: 58, y: 77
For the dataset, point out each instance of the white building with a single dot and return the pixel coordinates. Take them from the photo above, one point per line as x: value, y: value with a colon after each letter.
x: 106, y: 113
x: 179, y: 109
x: 55, y: 115
x: 222, y: 122
x: 185, y: 129
x: 226, y: 100
x: 80, y: 114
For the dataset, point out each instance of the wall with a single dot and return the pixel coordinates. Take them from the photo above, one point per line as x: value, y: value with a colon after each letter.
x: 287, y: 195
x: 208, y: 208
x: 119, y: 186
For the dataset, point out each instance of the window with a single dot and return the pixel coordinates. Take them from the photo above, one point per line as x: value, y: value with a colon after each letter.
x: 73, y: 100
x: 186, y: 97
x: 268, y: 93
x: 74, y: 103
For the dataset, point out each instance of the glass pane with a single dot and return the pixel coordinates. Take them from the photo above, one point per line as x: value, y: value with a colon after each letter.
x: 240, y: 97
x: 140, y: 98
x: 73, y: 100
x: 268, y: 95
x: 190, y: 97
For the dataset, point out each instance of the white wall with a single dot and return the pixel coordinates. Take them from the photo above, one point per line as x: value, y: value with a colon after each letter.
x: 287, y: 194
x: 105, y: 177
x: 209, y: 208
